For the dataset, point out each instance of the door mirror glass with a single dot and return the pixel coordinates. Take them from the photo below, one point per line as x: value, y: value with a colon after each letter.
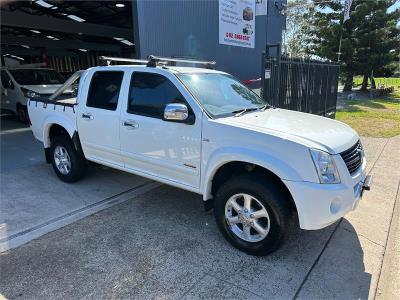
x: 176, y: 112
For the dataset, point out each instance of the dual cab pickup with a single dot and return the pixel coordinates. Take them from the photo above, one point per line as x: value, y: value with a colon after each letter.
x: 203, y: 131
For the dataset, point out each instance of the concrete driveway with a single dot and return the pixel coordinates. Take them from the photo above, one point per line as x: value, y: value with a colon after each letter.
x: 34, y: 202
x: 161, y: 244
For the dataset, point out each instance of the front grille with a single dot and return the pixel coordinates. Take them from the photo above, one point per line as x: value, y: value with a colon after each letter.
x: 353, y: 157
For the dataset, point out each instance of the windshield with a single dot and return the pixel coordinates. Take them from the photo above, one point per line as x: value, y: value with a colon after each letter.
x: 221, y: 94
x: 37, y: 76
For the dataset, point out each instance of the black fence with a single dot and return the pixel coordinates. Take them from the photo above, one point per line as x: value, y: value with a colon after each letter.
x: 300, y: 84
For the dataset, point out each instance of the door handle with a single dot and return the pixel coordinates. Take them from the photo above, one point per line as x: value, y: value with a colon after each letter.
x: 131, y: 124
x: 87, y: 116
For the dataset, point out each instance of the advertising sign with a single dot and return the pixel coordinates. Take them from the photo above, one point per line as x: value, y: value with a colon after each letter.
x: 261, y: 7
x: 236, y: 22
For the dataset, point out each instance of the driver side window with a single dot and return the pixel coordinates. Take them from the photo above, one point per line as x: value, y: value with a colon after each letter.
x: 150, y: 93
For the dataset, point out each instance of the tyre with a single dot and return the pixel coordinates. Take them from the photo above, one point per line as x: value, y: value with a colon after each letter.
x: 252, y: 213
x: 69, y: 164
x: 22, y: 114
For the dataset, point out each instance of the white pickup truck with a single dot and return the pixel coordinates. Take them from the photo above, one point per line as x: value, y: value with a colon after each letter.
x: 203, y: 131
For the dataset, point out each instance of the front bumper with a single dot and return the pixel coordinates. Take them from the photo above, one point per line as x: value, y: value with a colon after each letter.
x: 320, y: 205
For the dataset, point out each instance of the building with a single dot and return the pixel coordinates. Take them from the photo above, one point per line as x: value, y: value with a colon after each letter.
x: 70, y: 35
x: 191, y: 29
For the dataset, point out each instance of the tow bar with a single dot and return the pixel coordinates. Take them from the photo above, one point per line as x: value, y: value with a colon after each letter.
x: 366, y: 184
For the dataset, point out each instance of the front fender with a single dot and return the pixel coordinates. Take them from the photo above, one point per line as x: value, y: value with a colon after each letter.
x: 59, y: 120
x: 230, y: 154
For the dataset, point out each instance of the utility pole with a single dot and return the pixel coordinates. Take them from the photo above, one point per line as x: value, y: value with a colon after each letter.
x: 340, y: 43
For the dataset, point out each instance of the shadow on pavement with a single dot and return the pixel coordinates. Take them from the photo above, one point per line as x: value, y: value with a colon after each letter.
x: 9, y: 121
x: 340, y: 272
x: 163, y: 245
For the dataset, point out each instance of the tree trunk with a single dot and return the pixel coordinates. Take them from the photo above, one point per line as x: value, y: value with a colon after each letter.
x: 364, y: 84
x: 373, y: 85
x: 348, y: 84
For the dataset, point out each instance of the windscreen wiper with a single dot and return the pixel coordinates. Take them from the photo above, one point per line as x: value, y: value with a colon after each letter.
x: 240, y: 112
x: 265, y: 106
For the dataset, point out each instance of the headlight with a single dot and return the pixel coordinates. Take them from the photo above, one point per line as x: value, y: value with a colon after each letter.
x: 325, y: 166
x: 29, y: 94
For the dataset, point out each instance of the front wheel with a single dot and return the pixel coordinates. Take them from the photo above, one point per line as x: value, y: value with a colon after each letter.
x: 252, y: 213
x: 69, y: 164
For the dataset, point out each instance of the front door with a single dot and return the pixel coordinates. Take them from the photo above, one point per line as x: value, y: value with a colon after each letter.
x: 98, y: 119
x: 151, y: 145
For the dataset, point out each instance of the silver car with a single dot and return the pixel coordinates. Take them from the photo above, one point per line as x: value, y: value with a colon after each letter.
x: 18, y: 85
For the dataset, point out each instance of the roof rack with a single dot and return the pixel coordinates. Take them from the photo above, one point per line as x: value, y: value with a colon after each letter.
x: 109, y: 59
x: 155, y: 61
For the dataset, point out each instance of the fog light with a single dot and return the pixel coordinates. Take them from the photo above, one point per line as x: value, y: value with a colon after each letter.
x: 335, y: 205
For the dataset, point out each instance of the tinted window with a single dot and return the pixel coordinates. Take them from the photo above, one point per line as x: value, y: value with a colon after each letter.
x: 150, y: 93
x: 6, y: 81
x: 37, y: 76
x: 104, y: 89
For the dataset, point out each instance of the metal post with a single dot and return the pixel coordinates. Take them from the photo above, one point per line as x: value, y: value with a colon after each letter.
x: 262, y: 94
x: 278, y: 60
x: 340, y: 44
x: 326, y: 92
x: 308, y: 87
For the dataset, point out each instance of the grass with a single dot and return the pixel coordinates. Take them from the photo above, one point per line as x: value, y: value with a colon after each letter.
x: 395, y: 82
x: 373, y: 117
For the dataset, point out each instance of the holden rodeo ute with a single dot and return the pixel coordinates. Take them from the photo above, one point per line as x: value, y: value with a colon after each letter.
x: 202, y: 130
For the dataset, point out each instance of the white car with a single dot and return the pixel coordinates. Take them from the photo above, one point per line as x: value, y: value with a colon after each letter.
x: 203, y: 131
x: 20, y: 84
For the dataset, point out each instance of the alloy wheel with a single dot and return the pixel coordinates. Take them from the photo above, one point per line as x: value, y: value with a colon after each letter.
x: 247, y: 217
x: 62, y: 160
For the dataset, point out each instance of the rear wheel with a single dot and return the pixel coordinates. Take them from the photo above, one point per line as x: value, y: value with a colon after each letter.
x: 22, y: 114
x: 252, y: 213
x: 69, y: 164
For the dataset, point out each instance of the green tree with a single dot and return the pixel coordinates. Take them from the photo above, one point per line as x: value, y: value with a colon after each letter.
x: 297, y: 28
x: 370, y: 38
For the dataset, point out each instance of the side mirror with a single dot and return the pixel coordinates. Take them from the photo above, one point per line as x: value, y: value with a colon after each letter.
x: 176, y: 112
x: 75, y: 90
x: 10, y: 85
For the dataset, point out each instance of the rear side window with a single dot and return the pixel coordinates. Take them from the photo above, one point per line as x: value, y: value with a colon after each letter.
x: 104, y: 89
x: 150, y: 93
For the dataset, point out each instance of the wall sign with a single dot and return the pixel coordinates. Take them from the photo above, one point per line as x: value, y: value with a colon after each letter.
x: 236, y: 22
x: 261, y: 7
x: 267, y: 74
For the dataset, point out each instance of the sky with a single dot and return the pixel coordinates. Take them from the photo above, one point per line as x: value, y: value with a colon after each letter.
x: 394, y: 6
x: 390, y: 9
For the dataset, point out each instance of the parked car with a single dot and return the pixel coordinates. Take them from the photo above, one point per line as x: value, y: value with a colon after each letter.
x: 20, y: 84
x: 203, y: 131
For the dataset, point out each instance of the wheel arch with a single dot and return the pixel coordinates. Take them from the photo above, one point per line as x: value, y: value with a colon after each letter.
x: 55, y: 130
x: 53, y: 127
x: 272, y: 164
x: 230, y: 169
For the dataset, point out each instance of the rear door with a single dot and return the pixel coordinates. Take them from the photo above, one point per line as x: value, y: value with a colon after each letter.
x: 98, y: 118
